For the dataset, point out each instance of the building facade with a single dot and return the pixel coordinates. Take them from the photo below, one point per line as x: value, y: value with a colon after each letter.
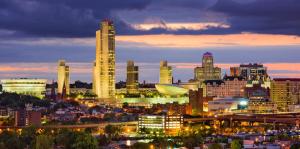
x: 33, y: 87
x: 104, y: 65
x: 63, y: 78
x: 232, y: 86
x: 196, y: 100
x: 261, y: 106
x: 207, y: 71
x: 27, y: 118
x: 132, y: 81
x: 165, y: 75
x: 168, y: 123
x: 227, y: 105
x: 285, y: 92
x: 250, y: 71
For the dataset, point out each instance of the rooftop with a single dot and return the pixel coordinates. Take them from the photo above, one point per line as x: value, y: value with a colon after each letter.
x: 286, y: 79
x: 207, y: 54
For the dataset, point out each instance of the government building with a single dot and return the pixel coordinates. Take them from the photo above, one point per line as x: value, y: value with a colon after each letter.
x: 33, y: 87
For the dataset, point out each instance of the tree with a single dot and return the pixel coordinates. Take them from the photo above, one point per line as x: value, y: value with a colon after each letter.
x: 295, y: 146
x: 65, y: 138
x: 215, y: 146
x: 84, y: 140
x: 28, y: 135
x: 140, y: 145
x: 44, y: 142
x: 112, y: 131
x: 235, y: 144
x: 10, y: 140
x: 76, y: 140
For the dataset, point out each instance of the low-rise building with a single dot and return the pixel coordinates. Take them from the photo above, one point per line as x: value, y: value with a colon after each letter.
x: 261, y: 106
x: 27, y: 118
x: 231, y: 86
x: 33, y: 87
x: 168, y: 123
x: 230, y: 105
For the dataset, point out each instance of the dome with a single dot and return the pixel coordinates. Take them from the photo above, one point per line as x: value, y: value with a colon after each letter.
x: 169, y: 89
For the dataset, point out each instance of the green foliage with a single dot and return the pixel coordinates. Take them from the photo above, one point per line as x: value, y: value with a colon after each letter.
x: 193, y: 140
x: 215, y: 146
x: 84, y: 141
x: 295, y: 146
x: 76, y: 140
x: 10, y: 140
x: 14, y: 100
x: 44, y: 142
x: 47, y: 139
x: 109, y: 117
x: 140, y: 145
x: 28, y: 136
x: 125, y: 105
x: 65, y: 137
x: 112, y: 131
x: 103, y: 140
x: 235, y: 144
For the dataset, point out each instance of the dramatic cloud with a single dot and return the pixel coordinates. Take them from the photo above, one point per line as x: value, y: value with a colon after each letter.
x: 78, y: 18
x: 262, y: 16
x: 203, y: 41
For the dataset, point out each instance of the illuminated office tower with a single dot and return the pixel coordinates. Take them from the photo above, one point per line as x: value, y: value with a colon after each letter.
x: 165, y: 73
x: 132, y: 81
x: 63, y: 78
x: 207, y: 71
x: 104, y: 67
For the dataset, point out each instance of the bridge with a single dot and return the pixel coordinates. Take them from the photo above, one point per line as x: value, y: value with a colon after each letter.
x: 79, y: 126
x: 281, y: 118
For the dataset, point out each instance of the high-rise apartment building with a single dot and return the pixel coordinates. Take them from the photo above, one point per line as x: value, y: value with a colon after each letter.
x: 165, y: 75
x: 132, y: 81
x: 207, y: 71
x: 285, y: 92
x: 104, y: 66
x: 63, y: 78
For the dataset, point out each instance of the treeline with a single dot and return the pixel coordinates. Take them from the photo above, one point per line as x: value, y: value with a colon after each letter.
x: 34, y: 138
x: 13, y: 100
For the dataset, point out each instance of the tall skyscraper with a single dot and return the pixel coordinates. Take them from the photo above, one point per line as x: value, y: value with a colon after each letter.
x: 165, y: 73
x: 207, y: 71
x: 132, y: 81
x: 104, y: 66
x: 63, y: 78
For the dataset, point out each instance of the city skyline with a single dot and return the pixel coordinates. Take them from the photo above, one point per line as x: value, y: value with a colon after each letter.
x: 148, y: 71
x: 150, y: 74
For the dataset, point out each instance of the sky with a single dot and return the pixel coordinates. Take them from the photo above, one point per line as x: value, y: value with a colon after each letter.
x: 35, y: 34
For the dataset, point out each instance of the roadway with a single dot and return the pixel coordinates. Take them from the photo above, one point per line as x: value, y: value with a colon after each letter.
x: 78, y: 126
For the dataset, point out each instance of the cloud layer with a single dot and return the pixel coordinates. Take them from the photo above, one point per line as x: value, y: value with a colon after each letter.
x: 77, y: 18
